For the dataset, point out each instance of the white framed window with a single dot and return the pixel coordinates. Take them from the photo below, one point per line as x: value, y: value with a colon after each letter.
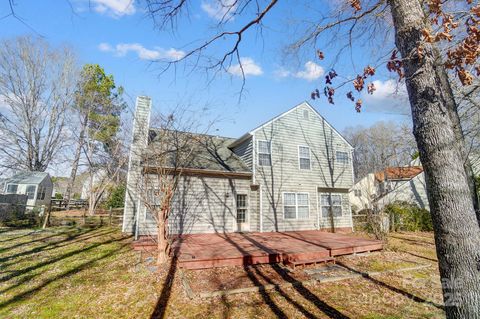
x: 331, y: 200
x: 306, y: 114
x: 30, y: 191
x: 241, y: 208
x: 304, y: 157
x: 357, y: 192
x: 41, y: 193
x: 341, y: 157
x: 264, y: 153
x: 12, y: 188
x: 296, y: 206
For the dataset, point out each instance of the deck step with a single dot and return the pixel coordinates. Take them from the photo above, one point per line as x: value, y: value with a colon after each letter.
x: 294, y: 263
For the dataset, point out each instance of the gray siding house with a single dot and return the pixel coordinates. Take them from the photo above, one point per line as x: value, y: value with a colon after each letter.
x: 292, y: 173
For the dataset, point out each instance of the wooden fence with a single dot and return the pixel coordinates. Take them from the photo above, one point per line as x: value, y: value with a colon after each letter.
x: 59, y: 204
x: 111, y: 217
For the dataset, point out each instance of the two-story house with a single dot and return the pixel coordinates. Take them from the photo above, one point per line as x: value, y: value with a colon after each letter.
x: 293, y: 172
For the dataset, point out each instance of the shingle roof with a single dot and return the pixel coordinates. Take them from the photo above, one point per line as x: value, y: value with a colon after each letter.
x: 398, y: 173
x: 27, y: 177
x: 204, y: 151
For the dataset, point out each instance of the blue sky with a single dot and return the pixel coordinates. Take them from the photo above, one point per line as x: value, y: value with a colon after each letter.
x: 119, y: 36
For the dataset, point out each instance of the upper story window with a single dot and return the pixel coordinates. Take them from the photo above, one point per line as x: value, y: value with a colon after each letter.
x: 341, y: 157
x: 306, y: 114
x: 31, y: 191
x: 304, y: 157
x: 296, y: 206
x: 357, y: 192
x: 264, y: 153
x: 12, y: 188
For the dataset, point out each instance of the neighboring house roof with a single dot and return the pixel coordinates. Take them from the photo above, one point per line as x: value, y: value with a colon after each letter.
x: 305, y: 103
x: 398, y: 173
x: 208, y: 152
x: 27, y: 177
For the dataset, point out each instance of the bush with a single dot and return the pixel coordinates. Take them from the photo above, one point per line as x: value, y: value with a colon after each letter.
x: 116, y: 198
x: 408, y: 217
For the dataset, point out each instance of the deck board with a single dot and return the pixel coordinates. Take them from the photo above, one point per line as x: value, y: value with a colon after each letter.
x: 199, y: 251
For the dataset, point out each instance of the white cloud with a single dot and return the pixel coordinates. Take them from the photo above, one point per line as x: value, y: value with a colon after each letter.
x: 219, y: 9
x: 157, y: 53
x: 105, y: 47
x: 311, y: 71
x: 389, y: 97
x: 249, y: 68
x: 117, y: 8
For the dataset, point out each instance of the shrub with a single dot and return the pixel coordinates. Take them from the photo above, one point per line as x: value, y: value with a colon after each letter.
x: 116, y: 197
x: 408, y: 217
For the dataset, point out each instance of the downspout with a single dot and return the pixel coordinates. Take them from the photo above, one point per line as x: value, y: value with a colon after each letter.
x: 353, y: 183
x: 261, y: 208
x: 137, y: 220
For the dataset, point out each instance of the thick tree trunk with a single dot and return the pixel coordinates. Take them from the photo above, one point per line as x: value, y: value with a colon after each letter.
x: 457, y: 232
x: 448, y: 97
x: 162, y: 243
x: 76, y: 160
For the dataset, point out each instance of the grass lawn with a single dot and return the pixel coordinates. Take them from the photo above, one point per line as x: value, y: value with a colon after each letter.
x: 69, y: 272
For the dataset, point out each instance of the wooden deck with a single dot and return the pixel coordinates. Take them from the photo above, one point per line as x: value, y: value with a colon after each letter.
x: 237, y: 249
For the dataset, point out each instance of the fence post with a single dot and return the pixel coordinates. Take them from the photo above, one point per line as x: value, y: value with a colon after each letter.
x: 84, y: 216
x: 110, y: 216
x: 47, y: 215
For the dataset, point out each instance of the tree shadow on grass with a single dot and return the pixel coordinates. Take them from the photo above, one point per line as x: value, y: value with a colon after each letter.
x: 28, y: 293
x: 392, y: 288
x: 302, y: 290
x: 56, y: 234
x: 14, y: 238
x: 24, y: 271
x: 71, y: 239
x: 162, y: 302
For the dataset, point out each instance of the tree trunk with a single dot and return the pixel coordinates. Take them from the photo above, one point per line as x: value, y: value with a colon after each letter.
x: 162, y: 243
x: 76, y: 160
x: 457, y: 232
x: 448, y: 97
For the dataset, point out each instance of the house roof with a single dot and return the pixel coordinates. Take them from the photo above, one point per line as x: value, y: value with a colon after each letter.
x: 27, y: 177
x: 304, y: 103
x: 207, y: 152
x: 398, y: 173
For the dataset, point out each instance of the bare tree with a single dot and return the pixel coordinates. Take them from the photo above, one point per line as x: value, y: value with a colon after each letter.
x: 428, y: 41
x: 173, y: 149
x: 379, y: 146
x: 37, y: 84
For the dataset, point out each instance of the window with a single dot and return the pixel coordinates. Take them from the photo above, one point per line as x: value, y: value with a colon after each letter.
x: 12, y: 188
x: 264, y: 153
x: 31, y: 191
x: 41, y: 193
x: 304, y: 157
x: 296, y: 206
x: 335, y: 204
x: 241, y: 208
x: 305, y: 114
x: 358, y: 193
x: 341, y: 157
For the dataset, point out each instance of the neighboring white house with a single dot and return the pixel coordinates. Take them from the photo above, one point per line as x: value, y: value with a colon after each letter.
x: 37, y: 186
x: 363, y: 193
x: 413, y: 191
x: 394, y: 184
